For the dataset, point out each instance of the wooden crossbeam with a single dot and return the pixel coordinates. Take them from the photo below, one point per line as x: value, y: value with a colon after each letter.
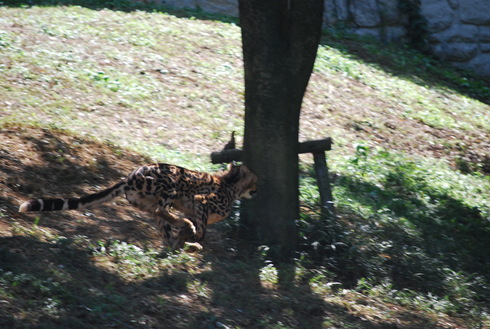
x: 316, y: 146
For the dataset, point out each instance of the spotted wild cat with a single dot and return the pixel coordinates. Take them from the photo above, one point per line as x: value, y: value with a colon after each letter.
x: 182, y: 201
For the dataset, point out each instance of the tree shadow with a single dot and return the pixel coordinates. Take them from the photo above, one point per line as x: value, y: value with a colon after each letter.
x: 53, y: 164
x: 64, y: 288
x: 239, y: 277
x: 50, y: 270
x: 409, y: 64
x: 235, y: 279
x: 413, y: 243
x: 46, y: 285
x: 62, y: 282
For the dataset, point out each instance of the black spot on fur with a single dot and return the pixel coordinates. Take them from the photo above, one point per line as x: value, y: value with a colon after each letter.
x: 139, y: 185
x: 57, y: 204
x: 34, y: 205
x: 72, y: 203
x: 149, y: 183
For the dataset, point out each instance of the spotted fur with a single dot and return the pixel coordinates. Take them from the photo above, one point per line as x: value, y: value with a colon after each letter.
x: 182, y: 201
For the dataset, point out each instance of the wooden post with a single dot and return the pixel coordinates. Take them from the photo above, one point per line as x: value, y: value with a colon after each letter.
x: 323, y: 180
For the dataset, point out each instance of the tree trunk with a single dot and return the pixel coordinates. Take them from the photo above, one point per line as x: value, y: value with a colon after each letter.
x: 280, y: 40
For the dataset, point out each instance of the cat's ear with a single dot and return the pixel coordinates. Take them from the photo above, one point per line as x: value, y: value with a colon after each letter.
x: 231, y: 165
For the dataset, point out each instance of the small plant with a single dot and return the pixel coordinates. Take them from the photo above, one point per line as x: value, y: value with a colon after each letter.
x: 105, y: 80
x: 268, y: 274
x: 132, y: 261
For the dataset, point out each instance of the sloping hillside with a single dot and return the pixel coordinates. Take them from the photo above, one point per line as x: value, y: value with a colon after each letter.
x: 87, y: 94
x: 103, y: 267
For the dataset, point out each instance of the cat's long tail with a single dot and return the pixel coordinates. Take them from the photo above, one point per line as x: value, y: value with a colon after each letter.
x: 52, y: 204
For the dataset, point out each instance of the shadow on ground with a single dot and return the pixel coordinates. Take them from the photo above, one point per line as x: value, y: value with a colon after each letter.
x: 60, y: 286
x: 426, y: 240
x: 52, y: 274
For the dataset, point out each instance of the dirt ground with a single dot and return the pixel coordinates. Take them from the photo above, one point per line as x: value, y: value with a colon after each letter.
x: 37, y: 162
x: 40, y: 162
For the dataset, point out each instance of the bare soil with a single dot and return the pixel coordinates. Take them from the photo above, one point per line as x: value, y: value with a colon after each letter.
x: 41, y: 162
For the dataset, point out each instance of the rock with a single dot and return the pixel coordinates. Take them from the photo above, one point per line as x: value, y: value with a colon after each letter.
x: 226, y: 7
x: 393, y: 33
x: 365, y: 12
x: 438, y: 13
x: 368, y: 32
x: 456, y: 52
x: 485, y: 33
x: 191, y: 4
x: 485, y: 47
x: 335, y: 11
x: 475, y: 12
x: 453, y: 3
x: 457, y: 33
x: 480, y: 64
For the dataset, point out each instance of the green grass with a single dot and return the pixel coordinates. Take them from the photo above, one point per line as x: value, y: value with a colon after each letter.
x: 78, y: 62
x: 406, y: 92
x: 409, y: 169
x: 412, y: 227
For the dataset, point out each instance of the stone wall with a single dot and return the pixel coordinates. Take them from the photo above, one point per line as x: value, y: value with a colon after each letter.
x: 459, y: 30
x: 226, y: 7
x: 378, y: 18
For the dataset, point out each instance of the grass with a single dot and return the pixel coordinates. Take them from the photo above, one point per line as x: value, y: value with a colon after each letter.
x: 137, y: 83
x: 87, y: 93
x: 418, y: 233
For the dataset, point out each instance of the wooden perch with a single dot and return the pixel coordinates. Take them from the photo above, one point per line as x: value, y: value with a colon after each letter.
x: 318, y: 146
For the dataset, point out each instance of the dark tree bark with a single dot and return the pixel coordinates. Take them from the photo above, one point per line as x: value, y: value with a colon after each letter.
x: 280, y: 40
